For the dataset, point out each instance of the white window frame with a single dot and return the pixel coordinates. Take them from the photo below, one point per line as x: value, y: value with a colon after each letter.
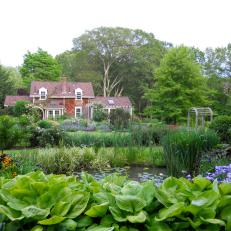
x: 81, y: 112
x: 44, y: 95
x: 78, y: 94
x: 53, y: 116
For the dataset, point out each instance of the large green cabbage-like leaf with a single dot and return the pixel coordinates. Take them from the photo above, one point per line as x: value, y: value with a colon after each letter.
x: 137, y: 218
x: 97, y: 210
x: 206, y: 198
x: 35, y: 212
x: 174, y: 210
x: 68, y: 224
x: 118, y: 214
x: 80, y: 201
x: 158, y: 226
x: 132, y: 188
x: 61, y: 208
x: 52, y: 221
x: 147, y: 192
x: 13, y: 215
x: 100, y: 228
x: 84, y: 221
x: 201, y: 182
x: 130, y: 203
x: 225, y: 188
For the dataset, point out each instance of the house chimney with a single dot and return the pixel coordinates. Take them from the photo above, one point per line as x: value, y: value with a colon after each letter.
x: 64, y: 84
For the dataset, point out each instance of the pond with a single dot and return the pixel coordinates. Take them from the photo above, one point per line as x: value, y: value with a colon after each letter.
x: 134, y: 172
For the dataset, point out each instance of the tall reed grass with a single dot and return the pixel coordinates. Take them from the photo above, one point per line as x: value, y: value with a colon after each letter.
x: 183, y: 150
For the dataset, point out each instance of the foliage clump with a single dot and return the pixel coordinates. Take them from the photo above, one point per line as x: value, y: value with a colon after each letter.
x: 9, y: 132
x: 222, y: 126
x: 119, y: 118
x: 56, y: 202
x: 183, y: 150
x: 179, y: 85
x: 99, y: 113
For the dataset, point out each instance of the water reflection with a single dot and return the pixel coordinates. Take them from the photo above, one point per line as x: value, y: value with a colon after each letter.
x: 138, y: 173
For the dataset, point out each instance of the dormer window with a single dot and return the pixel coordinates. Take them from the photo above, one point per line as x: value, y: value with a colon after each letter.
x: 42, y: 93
x: 78, y: 93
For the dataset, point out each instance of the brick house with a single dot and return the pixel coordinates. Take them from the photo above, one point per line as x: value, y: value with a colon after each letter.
x: 72, y: 98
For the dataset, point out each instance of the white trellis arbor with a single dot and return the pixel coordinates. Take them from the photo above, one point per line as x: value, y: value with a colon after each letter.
x: 200, y: 113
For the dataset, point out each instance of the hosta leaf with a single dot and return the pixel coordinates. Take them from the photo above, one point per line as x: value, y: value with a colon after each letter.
x: 137, y: 218
x: 97, y: 210
x: 37, y: 228
x: 52, y: 221
x: 206, y: 198
x: 117, y: 214
x: 68, y: 224
x: 100, y: 228
x: 130, y: 203
x: 214, y: 221
x: 132, y: 188
x: 159, y: 226
x: 35, y: 212
x: 80, y: 201
x: 147, y: 192
x: 201, y: 182
x: 107, y: 220
x: 172, y: 211
x: 60, y: 209
x: 225, y: 188
x: 13, y: 215
x: 84, y: 221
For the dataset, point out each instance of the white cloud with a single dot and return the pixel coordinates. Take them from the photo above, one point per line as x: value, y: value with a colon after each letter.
x: 52, y: 24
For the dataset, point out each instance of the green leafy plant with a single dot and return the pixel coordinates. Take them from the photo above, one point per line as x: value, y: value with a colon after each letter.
x: 119, y: 118
x: 56, y: 202
x: 9, y: 132
x: 222, y: 125
x: 99, y: 113
x: 183, y: 150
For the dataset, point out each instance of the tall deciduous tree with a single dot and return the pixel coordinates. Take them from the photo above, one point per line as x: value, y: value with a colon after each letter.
x: 110, y: 47
x: 178, y: 86
x: 7, y: 86
x: 39, y: 66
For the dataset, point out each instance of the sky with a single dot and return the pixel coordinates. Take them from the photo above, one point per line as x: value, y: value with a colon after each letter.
x: 26, y: 25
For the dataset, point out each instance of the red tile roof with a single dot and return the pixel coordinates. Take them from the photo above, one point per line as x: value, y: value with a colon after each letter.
x: 62, y: 89
x: 11, y: 100
x: 121, y: 101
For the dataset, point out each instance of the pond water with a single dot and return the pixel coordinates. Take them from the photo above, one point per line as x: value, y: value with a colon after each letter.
x: 138, y: 173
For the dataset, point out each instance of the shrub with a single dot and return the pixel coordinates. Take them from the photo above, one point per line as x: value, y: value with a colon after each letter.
x: 222, y: 125
x: 9, y: 132
x: 45, y: 124
x: 119, y: 118
x: 21, y: 108
x: 183, y: 150
x: 45, y: 137
x: 99, y: 113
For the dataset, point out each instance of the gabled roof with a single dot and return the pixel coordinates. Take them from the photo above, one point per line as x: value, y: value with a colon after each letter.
x: 61, y: 89
x: 112, y: 102
x: 11, y: 100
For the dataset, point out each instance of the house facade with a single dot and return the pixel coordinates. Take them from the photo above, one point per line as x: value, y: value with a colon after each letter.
x: 75, y: 99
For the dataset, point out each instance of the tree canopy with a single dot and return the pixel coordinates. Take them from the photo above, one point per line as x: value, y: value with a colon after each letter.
x: 7, y: 84
x: 178, y: 86
x: 39, y: 66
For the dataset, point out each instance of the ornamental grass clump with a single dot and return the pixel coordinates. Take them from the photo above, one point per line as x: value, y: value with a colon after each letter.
x: 183, y: 150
